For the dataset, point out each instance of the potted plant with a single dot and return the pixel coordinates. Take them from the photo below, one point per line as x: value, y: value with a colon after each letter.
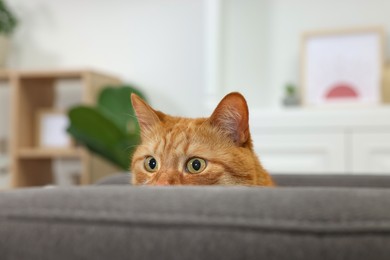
x: 8, y: 23
x: 291, y: 97
x: 109, y: 129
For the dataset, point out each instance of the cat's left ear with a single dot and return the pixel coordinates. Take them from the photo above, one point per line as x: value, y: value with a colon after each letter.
x: 231, y: 116
x: 146, y: 115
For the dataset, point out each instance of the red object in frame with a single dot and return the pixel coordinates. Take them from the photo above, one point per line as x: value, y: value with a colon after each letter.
x: 342, y: 90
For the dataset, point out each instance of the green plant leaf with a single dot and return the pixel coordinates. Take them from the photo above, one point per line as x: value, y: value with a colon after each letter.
x: 101, y: 135
x: 114, y: 102
x: 8, y: 21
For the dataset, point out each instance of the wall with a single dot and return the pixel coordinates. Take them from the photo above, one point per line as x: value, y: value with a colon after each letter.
x: 244, y: 44
x: 155, y: 44
x: 262, y: 59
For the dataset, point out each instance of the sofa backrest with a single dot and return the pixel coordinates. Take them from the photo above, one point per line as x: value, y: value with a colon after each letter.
x: 298, y: 180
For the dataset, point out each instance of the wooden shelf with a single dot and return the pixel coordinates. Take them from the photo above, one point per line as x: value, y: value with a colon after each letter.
x: 33, y: 91
x: 59, y: 74
x: 4, y: 75
x: 47, y: 153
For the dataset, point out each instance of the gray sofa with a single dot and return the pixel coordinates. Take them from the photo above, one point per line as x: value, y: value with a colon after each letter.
x: 306, y: 217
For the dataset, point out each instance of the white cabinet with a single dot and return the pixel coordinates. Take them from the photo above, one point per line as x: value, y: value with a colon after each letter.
x: 345, y: 141
x: 301, y: 152
x: 370, y: 153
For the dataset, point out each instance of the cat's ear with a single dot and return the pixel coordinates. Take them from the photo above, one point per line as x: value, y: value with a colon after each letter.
x: 146, y: 115
x: 231, y: 116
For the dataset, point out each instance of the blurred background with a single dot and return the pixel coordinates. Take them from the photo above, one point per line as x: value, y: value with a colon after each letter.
x: 185, y: 55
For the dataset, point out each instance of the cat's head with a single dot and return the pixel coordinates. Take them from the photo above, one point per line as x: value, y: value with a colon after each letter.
x: 203, y: 151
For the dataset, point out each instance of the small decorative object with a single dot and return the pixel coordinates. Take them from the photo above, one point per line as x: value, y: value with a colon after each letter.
x: 343, y: 67
x: 52, y: 129
x: 8, y: 23
x: 290, y: 96
x: 66, y: 172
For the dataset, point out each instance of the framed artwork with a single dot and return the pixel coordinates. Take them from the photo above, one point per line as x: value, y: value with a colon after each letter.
x: 386, y: 84
x: 342, y: 67
x: 51, y: 129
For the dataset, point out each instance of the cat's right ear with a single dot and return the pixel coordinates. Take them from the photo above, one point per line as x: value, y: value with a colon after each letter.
x: 231, y: 117
x: 147, y: 117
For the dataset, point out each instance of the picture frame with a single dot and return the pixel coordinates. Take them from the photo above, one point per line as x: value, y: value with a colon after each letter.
x: 386, y: 84
x: 51, y: 129
x: 342, y: 67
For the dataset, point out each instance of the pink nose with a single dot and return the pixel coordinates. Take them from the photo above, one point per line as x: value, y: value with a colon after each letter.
x: 167, y: 178
x: 163, y: 182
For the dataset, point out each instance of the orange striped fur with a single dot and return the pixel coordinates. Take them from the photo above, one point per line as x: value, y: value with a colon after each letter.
x: 222, y: 142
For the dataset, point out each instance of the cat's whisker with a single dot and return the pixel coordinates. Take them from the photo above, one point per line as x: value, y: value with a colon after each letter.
x: 130, y: 147
x: 130, y: 115
x: 147, y: 182
x: 148, y: 138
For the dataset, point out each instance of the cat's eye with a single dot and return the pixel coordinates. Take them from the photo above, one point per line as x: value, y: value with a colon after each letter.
x: 150, y: 164
x: 196, y: 165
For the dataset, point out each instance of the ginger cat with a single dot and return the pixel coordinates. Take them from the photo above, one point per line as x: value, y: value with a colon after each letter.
x: 205, y: 151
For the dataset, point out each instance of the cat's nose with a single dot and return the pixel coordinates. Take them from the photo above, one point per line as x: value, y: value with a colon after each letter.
x: 166, y: 182
x: 167, y: 179
x: 162, y: 183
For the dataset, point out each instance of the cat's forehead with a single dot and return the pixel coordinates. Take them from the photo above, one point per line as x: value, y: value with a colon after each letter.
x: 177, y: 130
x: 171, y: 123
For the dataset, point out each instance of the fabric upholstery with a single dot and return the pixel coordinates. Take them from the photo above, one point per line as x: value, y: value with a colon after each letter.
x: 125, y: 222
x: 297, y: 180
x: 332, y: 180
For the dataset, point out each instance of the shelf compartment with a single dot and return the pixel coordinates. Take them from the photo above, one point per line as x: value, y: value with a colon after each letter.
x: 34, y: 91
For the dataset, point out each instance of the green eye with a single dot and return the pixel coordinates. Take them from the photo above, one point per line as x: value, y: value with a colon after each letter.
x: 195, y: 165
x: 150, y: 164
